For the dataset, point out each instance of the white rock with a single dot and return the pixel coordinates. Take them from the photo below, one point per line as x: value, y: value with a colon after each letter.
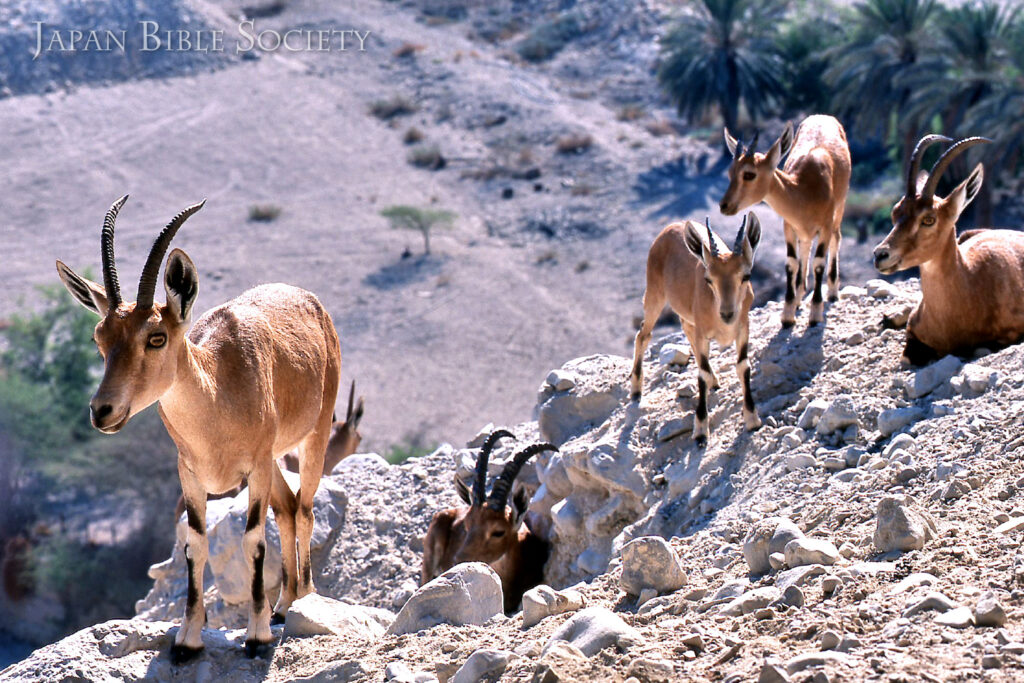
x: 892, y: 420
x: 560, y: 380
x: 900, y: 442
x: 1010, y: 526
x: 812, y: 413
x: 840, y: 414
x: 674, y: 354
x: 989, y: 611
x: 815, y: 659
x: 978, y: 378
x: 315, y: 615
x: 959, y: 617
x: 766, y: 537
x: 677, y: 426
x: 600, y: 388
x: 830, y: 640
x: 752, y: 600
x: 543, y: 601
x: 483, y: 665
x: 933, y: 601
x: 805, y: 551
x: 593, y: 629
x: 800, y: 461
x: 901, y: 524
x: 879, y: 289
x: 465, y: 594
x: 928, y: 379
x: 650, y: 562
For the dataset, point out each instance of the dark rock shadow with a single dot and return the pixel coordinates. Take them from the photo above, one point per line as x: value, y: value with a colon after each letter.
x: 405, y: 272
x: 680, y: 187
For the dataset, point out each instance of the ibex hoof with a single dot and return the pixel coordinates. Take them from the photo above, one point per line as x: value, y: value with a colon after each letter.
x: 181, y: 654
x: 786, y: 324
x: 833, y: 298
x: 635, y: 396
x: 701, y: 441
x: 276, y: 619
x: 812, y: 323
x: 255, y: 648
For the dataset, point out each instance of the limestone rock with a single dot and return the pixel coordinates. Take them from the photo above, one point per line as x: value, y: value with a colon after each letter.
x: 930, y: 378
x: 805, y: 551
x: 465, y: 594
x: 752, y: 600
x: 593, y: 629
x: 674, y: 354
x: 650, y: 562
x: 315, y: 615
x: 812, y: 413
x: 543, y: 601
x: 902, y: 525
x: 483, y: 665
x: 600, y: 387
x: 989, y: 611
x: 892, y: 420
x: 768, y: 536
x: 840, y: 414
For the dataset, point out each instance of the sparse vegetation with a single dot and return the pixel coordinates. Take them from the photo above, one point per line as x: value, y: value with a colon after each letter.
x: 630, y: 112
x: 548, y: 38
x: 407, y: 50
x: 408, y: 449
x: 406, y: 217
x: 396, y: 105
x: 264, y: 213
x: 427, y: 156
x: 412, y: 136
x: 574, y: 143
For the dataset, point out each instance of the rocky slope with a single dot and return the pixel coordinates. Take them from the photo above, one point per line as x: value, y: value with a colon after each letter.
x: 870, y: 530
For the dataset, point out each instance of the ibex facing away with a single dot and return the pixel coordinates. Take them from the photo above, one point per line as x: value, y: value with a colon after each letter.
x: 489, y: 530
x: 970, y: 288
x: 252, y: 379
x: 808, y: 192
x: 708, y: 286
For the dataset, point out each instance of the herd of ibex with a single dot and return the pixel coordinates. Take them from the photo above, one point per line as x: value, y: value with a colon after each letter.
x: 258, y: 376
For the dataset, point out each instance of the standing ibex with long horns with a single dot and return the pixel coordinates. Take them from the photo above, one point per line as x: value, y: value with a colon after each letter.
x: 971, y: 287
x: 252, y: 378
x: 708, y: 286
x: 808, y: 192
x: 490, y: 530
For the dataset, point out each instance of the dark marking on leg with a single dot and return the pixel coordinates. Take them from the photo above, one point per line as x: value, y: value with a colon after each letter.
x: 193, y: 519
x: 257, y: 576
x: 742, y: 355
x: 819, y: 271
x: 702, y: 399
x: 307, y: 572
x: 193, y: 589
x: 254, y: 516
x: 748, y: 398
x: 833, y: 270
x: 705, y: 364
x: 180, y: 654
x: 790, y: 250
x: 277, y: 619
x: 819, y: 252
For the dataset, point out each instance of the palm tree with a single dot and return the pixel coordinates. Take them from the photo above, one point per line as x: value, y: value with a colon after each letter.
x: 889, y: 45
x: 722, y: 53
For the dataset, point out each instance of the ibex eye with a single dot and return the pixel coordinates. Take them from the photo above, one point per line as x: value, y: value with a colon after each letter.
x: 708, y: 280
x: 928, y: 220
x: 498, y: 534
x: 156, y: 341
x: 749, y: 175
x: 746, y: 277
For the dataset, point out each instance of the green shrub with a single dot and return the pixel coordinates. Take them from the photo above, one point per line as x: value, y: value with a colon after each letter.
x: 406, y: 217
x: 396, y: 105
x: 427, y: 156
x: 411, y: 448
x: 264, y: 213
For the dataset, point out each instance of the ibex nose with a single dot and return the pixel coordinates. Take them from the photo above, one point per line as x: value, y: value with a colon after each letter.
x: 723, y: 205
x: 100, y: 411
x: 881, y: 256
x: 727, y: 317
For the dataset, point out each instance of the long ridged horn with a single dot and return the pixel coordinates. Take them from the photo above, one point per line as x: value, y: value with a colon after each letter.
x: 752, y: 147
x: 480, y: 480
x: 712, y: 244
x: 351, y: 398
x: 943, y: 163
x: 503, y: 484
x: 737, y: 246
x: 915, y: 160
x: 110, y: 282
x: 150, y: 272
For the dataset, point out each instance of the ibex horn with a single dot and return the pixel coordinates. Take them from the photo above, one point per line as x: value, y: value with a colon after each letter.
x: 480, y: 481
x: 943, y: 163
x: 737, y: 246
x: 503, y: 484
x: 150, y: 272
x: 712, y: 244
x: 915, y: 160
x: 110, y: 283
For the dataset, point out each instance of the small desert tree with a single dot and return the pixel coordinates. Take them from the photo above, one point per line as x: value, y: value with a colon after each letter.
x: 422, y: 220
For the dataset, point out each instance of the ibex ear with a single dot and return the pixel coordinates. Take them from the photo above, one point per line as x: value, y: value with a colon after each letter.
x: 753, y: 237
x: 520, y: 503
x: 358, y: 414
x: 781, y: 147
x: 730, y: 141
x: 964, y: 193
x: 694, y: 242
x: 181, y: 282
x: 463, y: 490
x: 86, y: 292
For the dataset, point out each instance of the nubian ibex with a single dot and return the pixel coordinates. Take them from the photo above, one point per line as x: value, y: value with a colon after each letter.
x: 971, y: 286
x: 489, y: 529
x: 250, y: 380
x: 808, y: 192
x: 343, y: 442
x: 708, y: 286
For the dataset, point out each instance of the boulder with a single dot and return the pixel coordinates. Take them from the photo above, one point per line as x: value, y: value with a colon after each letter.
x: 766, y: 537
x: 483, y: 665
x: 315, y: 615
x: 930, y: 378
x: 674, y: 354
x: 989, y: 611
x: 752, y: 600
x: 812, y: 413
x: 600, y: 386
x: 901, y: 524
x: 894, y: 419
x: 465, y: 594
x: 543, y: 601
x: 804, y: 551
x: 840, y: 414
x: 650, y: 562
x: 593, y: 629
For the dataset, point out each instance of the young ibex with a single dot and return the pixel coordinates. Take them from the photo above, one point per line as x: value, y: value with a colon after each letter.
x: 970, y: 287
x: 343, y: 442
x: 808, y: 192
x: 253, y: 378
x: 708, y: 286
x: 489, y: 530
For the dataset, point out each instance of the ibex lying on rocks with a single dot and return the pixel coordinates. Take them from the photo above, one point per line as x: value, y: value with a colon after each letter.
x: 344, y: 441
x: 808, y: 192
x: 970, y: 287
x: 708, y: 286
x: 488, y: 530
x: 252, y: 379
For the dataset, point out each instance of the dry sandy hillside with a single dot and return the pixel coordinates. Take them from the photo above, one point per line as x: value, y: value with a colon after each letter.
x: 892, y: 511
x: 438, y: 346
